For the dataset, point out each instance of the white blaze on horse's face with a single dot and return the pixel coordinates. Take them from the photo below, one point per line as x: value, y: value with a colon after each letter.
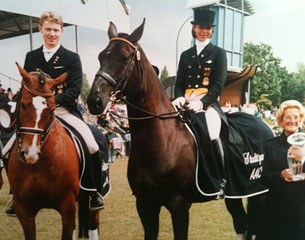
x: 39, y: 104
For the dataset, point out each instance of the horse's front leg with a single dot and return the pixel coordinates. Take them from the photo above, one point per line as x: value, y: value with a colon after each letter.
x: 26, y: 219
x: 179, y: 209
x: 67, y: 210
x: 149, y: 211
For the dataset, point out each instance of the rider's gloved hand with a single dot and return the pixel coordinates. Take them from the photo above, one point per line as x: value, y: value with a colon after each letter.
x: 195, y: 105
x: 179, y: 102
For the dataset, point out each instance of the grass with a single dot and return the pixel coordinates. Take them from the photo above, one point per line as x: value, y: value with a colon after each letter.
x: 119, y: 220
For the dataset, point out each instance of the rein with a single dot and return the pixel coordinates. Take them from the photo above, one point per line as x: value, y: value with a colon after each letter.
x: 150, y: 114
x: 119, y: 86
x: 181, y: 114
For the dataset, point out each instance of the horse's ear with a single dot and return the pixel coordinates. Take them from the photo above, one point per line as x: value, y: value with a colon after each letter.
x: 137, y: 33
x: 112, y: 31
x: 24, y: 74
x: 60, y: 79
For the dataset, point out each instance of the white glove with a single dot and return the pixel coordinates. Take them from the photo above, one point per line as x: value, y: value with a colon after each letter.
x: 179, y: 102
x: 195, y: 105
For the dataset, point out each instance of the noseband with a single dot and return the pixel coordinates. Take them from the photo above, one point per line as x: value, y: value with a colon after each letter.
x: 119, y: 85
x: 28, y: 130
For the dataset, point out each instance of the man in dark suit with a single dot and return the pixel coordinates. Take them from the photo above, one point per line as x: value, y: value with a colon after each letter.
x: 201, y: 76
x: 53, y: 59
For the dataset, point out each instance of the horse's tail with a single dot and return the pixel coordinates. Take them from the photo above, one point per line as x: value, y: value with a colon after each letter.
x: 83, y: 217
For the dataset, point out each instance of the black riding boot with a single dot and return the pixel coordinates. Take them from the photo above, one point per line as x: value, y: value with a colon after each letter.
x: 88, y: 183
x: 97, y: 162
x: 96, y: 201
x: 220, y: 158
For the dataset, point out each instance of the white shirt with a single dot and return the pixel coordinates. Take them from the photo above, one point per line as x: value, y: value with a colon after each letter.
x: 201, y: 45
x: 48, y: 53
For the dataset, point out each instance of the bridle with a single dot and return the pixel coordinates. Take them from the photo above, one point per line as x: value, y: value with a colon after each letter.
x: 44, y: 133
x: 119, y: 87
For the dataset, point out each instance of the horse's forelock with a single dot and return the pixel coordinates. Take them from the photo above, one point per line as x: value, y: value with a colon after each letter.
x: 123, y: 35
x: 38, y: 82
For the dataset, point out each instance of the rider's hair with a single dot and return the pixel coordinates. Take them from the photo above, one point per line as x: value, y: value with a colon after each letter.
x: 52, y: 17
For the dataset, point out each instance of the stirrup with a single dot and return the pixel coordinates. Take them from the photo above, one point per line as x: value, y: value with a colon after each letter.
x: 96, y: 208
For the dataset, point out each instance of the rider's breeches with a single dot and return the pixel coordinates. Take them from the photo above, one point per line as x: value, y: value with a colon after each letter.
x: 213, y: 123
x: 80, y: 126
x: 87, y: 178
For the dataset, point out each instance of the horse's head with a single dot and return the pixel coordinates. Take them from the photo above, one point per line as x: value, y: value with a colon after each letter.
x: 35, y: 112
x: 117, y: 67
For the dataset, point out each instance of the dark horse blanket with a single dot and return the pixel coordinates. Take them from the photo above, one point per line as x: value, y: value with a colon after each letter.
x: 243, y: 161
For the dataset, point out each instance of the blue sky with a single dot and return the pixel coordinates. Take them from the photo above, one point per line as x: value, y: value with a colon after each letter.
x: 279, y: 24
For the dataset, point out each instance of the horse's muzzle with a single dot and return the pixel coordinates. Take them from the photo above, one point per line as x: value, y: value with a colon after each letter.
x: 29, y: 157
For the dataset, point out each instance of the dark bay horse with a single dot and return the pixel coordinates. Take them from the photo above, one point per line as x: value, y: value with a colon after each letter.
x: 162, y: 162
x: 44, y: 166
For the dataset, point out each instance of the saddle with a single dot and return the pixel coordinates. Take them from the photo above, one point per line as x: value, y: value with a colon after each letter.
x: 84, y: 154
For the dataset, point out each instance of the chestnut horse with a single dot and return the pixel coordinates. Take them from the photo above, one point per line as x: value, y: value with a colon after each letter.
x: 44, y: 167
x: 162, y: 160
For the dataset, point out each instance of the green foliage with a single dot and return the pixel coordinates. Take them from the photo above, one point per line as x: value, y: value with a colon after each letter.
x: 164, y: 74
x: 270, y: 75
x: 264, y: 102
x: 85, y: 89
x: 297, y: 84
x: 271, y: 78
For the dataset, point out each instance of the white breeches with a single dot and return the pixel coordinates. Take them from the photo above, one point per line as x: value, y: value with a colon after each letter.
x: 80, y: 126
x: 212, y: 117
x: 213, y: 122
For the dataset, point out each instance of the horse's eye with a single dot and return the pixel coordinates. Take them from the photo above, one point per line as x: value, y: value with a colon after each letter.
x: 125, y: 57
x: 108, y: 52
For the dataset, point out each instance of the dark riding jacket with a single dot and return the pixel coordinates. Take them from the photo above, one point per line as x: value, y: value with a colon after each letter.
x: 208, y: 70
x: 62, y: 61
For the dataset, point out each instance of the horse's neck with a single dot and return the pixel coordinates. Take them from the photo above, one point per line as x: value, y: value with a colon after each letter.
x: 150, y: 97
x: 147, y: 105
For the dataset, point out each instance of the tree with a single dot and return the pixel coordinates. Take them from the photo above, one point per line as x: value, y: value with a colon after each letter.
x: 164, y: 74
x: 297, y: 84
x: 270, y: 75
x: 85, y: 89
x: 264, y: 102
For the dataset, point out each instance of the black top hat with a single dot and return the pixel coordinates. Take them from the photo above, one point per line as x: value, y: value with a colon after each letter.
x: 204, y: 18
